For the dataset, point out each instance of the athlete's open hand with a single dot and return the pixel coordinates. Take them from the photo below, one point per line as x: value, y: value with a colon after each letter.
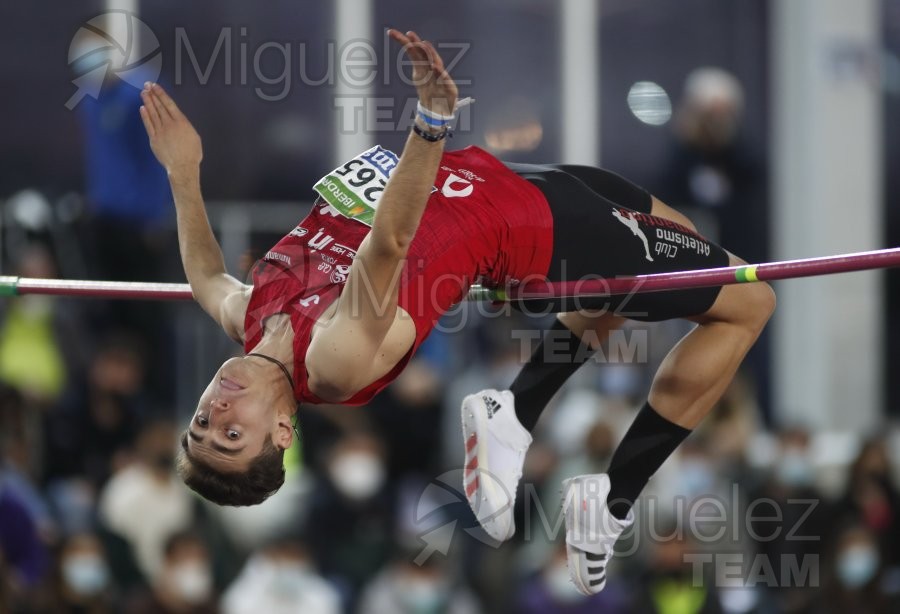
x: 436, y: 88
x: 172, y: 137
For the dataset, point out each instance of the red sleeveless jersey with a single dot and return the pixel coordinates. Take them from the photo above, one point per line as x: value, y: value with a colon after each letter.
x: 482, y: 224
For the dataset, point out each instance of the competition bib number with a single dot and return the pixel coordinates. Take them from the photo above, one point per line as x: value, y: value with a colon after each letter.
x: 355, y: 188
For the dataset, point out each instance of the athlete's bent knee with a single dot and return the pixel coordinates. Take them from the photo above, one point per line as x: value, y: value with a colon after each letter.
x: 760, y: 301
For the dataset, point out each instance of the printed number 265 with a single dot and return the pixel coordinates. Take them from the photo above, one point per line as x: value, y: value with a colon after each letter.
x: 362, y: 176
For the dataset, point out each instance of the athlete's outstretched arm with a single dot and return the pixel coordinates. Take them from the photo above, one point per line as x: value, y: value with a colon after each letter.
x: 178, y: 148
x: 340, y: 357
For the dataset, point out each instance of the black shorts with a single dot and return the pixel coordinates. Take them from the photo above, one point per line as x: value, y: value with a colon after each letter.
x: 602, y: 227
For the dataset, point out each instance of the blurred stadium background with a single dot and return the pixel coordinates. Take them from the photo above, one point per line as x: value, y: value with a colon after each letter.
x: 772, y: 123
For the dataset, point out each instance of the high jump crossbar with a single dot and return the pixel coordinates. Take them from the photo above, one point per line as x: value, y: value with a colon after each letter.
x: 585, y: 288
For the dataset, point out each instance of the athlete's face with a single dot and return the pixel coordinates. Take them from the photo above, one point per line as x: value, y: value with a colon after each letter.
x: 247, y: 401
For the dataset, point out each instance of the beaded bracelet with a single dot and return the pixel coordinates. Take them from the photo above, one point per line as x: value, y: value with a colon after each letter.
x: 431, y: 137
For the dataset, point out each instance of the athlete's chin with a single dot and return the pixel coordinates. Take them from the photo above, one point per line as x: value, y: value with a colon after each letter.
x: 238, y: 371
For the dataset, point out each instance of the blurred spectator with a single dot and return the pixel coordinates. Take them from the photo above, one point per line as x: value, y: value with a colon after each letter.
x: 18, y: 457
x: 407, y: 588
x: 280, y: 579
x: 21, y: 549
x: 713, y: 166
x: 856, y: 581
x: 130, y: 200
x: 671, y: 583
x: 789, y: 518
x: 697, y: 469
x: 185, y: 583
x: 126, y: 187
x: 407, y: 415
x: 144, y: 502
x: 86, y: 584
x: 545, y: 470
x: 733, y: 424
x: 351, y: 514
x: 39, y: 342
x: 91, y: 434
x: 551, y: 591
x: 599, y: 442
x: 872, y: 499
x: 251, y: 527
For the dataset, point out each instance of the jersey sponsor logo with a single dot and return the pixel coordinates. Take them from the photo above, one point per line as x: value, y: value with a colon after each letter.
x: 683, y: 240
x: 320, y: 240
x: 343, y: 250
x: 326, y: 208
x: 334, y: 189
x: 340, y: 274
x: 457, y: 187
x: 464, y: 173
x: 309, y: 300
x: 299, y: 231
x: 666, y: 249
x: 278, y: 257
x: 627, y: 218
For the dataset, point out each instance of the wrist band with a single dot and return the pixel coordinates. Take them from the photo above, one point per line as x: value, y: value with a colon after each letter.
x: 431, y: 137
x: 436, y: 125
x: 434, y: 119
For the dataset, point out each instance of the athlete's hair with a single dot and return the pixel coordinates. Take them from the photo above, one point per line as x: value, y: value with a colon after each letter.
x: 263, y: 477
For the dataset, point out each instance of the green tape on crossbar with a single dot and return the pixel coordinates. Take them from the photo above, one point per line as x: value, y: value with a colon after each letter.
x: 9, y: 286
x: 746, y: 274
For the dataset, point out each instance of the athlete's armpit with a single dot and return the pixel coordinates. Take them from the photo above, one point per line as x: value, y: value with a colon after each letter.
x: 233, y: 311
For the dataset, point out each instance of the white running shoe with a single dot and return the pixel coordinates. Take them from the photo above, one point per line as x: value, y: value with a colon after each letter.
x: 591, y: 530
x: 496, y: 444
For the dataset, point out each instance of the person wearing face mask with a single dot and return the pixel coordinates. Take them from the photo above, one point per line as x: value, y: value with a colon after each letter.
x: 185, y: 583
x: 854, y: 581
x: 551, y: 592
x: 407, y: 588
x: 803, y: 516
x: 144, y: 503
x: 872, y: 497
x: 351, y: 513
x: 86, y: 583
x: 280, y: 579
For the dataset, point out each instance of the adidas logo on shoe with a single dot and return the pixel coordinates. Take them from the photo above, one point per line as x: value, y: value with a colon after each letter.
x: 493, y: 406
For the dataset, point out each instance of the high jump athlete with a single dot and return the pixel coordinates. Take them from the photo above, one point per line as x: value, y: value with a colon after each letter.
x: 339, y: 306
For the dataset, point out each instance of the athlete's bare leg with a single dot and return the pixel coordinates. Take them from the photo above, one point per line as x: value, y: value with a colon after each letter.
x: 699, y: 368
x: 696, y: 372
x: 592, y: 327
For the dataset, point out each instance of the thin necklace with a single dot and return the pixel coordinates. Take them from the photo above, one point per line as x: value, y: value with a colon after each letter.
x: 290, y: 379
x: 280, y: 364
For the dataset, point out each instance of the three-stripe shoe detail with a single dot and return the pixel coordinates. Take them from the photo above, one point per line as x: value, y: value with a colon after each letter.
x: 470, y: 475
x: 495, y: 446
x: 591, y: 531
x: 596, y: 574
